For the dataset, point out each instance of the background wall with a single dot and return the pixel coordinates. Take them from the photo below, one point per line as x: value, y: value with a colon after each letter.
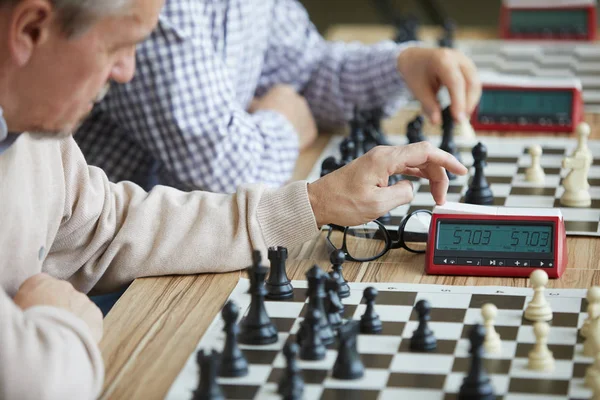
x: 325, y: 13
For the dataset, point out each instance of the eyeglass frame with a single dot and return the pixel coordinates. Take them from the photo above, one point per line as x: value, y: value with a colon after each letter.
x: 390, y: 243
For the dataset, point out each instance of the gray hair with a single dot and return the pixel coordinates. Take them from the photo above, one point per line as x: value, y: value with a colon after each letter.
x: 76, y: 16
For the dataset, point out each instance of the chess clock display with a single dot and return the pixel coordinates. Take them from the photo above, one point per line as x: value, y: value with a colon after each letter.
x: 548, y: 19
x: 476, y: 240
x: 530, y: 104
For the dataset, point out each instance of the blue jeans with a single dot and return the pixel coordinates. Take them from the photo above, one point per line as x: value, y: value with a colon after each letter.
x: 106, y: 301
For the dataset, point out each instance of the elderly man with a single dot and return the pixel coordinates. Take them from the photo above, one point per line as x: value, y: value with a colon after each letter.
x: 207, y: 109
x: 66, y: 229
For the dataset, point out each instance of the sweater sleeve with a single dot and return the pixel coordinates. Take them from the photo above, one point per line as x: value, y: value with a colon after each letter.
x: 47, y: 353
x: 114, y: 233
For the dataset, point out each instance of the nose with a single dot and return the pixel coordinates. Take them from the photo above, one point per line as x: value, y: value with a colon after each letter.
x: 124, y: 69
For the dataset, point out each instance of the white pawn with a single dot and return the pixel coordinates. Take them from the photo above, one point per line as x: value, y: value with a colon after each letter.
x: 592, y: 372
x: 593, y: 308
x: 538, y: 308
x: 590, y: 346
x: 583, y: 131
x: 464, y: 130
x: 535, y: 173
x: 492, y: 343
x: 540, y: 357
x: 577, y: 188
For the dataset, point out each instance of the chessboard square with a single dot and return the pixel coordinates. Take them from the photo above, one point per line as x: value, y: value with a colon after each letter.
x: 441, y: 330
x: 409, y: 393
x: 540, y: 386
x: 254, y: 356
x: 445, y: 347
x: 578, y: 390
x: 378, y: 345
x: 500, y: 180
x: 500, y: 190
x: 422, y: 363
x: 455, y: 380
x: 416, y: 381
x: 373, y: 379
x: 582, y: 226
x: 507, y: 349
x: 502, y: 160
x: 502, y: 302
x: 282, y: 337
x: 551, y: 160
x: 500, y: 170
x: 376, y: 361
x: 549, y: 171
x: 257, y: 375
x: 235, y: 392
x: 390, y: 328
x: 386, y: 312
x: 530, y: 201
x: 446, y: 300
x: 349, y: 311
x: 283, y: 324
x: 278, y: 309
x: 268, y: 391
x: 492, y: 366
x: 556, y: 335
x: 395, y: 298
x: 561, y: 304
x: 532, y: 191
x: 347, y: 394
x: 504, y: 318
x: 559, y: 319
x: 580, y: 214
x: 454, y: 197
x: 442, y: 315
x: 580, y: 368
x: 425, y: 199
x: 551, y: 181
x: 310, y: 376
x: 559, y: 351
x: 579, y: 355
x: 452, y: 188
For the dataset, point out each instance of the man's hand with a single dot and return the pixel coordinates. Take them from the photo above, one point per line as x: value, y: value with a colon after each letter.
x: 284, y: 100
x: 359, y: 192
x: 425, y: 70
x: 44, y: 290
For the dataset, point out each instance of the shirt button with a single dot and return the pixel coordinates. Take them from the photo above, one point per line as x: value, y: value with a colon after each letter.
x: 41, y: 253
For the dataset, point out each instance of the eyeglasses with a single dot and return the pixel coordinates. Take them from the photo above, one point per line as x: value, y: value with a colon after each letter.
x: 371, y: 241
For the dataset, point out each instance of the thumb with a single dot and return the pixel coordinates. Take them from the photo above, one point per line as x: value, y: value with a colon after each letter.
x: 396, y: 195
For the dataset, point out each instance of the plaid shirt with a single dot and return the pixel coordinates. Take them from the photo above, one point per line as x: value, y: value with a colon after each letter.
x: 182, y: 121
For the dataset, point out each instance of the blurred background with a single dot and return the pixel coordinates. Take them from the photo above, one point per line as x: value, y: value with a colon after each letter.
x: 325, y: 13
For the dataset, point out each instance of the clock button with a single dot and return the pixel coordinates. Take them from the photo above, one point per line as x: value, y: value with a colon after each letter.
x: 444, y: 260
x: 518, y: 263
x: 470, y: 262
x: 542, y: 263
x: 493, y: 262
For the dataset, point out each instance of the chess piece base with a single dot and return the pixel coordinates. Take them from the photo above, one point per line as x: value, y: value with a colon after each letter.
x: 538, y: 313
x: 279, y: 292
x: 428, y: 343
x: 579, y: 199
x: 237, y: 369
x: 371, y: 326
x: 258, y: 335
x: 541, y: 362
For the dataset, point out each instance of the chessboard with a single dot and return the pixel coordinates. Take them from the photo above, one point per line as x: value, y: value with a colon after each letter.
x: 506, y: 163
x: 392, y: 370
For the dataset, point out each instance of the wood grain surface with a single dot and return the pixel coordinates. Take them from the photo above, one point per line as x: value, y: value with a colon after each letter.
x: 157, y: 323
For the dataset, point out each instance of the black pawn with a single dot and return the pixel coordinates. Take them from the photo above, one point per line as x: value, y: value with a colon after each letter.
x: 448, y: 144
x: 291, y: 384
x: 414, y: 130
x: 208, y: 388
x: 312, y: 347
x: 316, y: 301
x: 256, y: 327
x: 278, y: 285
x: 333, y: 305
x: 347, y: 150
x: 477, y: 384
x: 233, y: 364
x: 370, y: 322
x: 329, y: 165
x: 422, y: 338
x: 479, y: 191
x: 407, y: 29
x: 348, y: 364
x: 337, y: 258
x: 357, y: 134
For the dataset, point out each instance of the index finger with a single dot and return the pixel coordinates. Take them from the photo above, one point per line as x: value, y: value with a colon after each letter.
x: 417, y: 154
x: 450, y: 75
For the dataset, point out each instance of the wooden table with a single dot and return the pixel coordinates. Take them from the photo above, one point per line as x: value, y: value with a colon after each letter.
x: 157, y: 323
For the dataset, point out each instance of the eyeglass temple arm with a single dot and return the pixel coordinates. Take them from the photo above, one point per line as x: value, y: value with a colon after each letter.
x: 418, y: 237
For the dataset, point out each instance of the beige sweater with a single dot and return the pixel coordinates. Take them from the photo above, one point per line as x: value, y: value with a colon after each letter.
x: 62, y: 217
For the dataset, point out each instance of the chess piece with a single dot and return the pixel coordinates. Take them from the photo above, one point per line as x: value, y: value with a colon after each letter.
x: 357, y: 134
x: 463, y: 129
x: 583, y: 132
x: 477, y: 384
x: 406, y: 29
x: 535, y: 173
x: 291, y: 384
x: 414, y: 130
x: 492, y: 343
x: 594, y: 384
x: 278, y: 285
x: 448, y: 144
x: 592, y: 341
x: 348, y: 364
x: 316, y: 296
x: 577, y: 188
x: 233, y: 362
x: 593, y: 308
x: 312, y: 347
x: 333, y: 305
x: 347, y: 150
x: 337, y: 258
x: 592, y: 372
x: 540, y: 358
x: 329, y: 165
x: 479, y: 191
x: 447, y: 39
x: 370, y: 322
x: 538, y: 309
x: 423, y: 338
x: 208, y: 387
x: 256, y: 327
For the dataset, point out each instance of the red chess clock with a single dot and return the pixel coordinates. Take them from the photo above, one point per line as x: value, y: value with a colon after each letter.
x: 467, y: 239
x: 530, y: 104
x: 548, y: 19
